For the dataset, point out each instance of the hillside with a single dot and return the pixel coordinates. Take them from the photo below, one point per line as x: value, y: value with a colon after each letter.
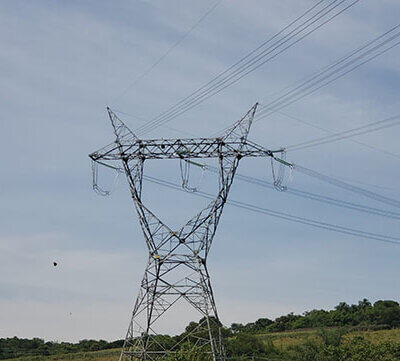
x: 346, y: 330
x: 106, y: 355
x: 282, y: 341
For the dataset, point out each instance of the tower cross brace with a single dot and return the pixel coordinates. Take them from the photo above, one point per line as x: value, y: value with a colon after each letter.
x: 177, y: 261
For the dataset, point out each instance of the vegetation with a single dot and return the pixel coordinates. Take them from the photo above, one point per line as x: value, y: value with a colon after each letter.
x: 382, y: 314
x: 17, y: 347
x: 348, y: 333
x: 107, y: 355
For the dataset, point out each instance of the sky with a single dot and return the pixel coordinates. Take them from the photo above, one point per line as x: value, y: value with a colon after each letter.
x: 63, y: 62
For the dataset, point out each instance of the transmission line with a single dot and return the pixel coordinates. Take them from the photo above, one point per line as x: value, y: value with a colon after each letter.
x: 163, y: 56
x: 368, y: 128
x: 285, y: 216
x: 248, y: 63
x: 315, y: 81
x: 337, y: 70
x: 369, y: 146
x: 145, y: 120
x: 305, y: 194
x: 287, y: 101
x: 317, y: 197
x: 246, y: 66
x: 338, y: 183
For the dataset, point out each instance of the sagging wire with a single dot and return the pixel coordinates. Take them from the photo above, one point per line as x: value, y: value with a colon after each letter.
x: 95, y: 175
x: 185, y: 174
x: 289, y: 217
x: 338, y: 183
x: 280, y: 176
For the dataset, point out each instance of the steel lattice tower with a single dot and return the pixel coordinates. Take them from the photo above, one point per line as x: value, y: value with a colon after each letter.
x: 177, y: 263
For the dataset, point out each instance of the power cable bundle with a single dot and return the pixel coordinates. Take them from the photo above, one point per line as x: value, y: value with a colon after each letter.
x: 368, y: 128
x: 338, y: 183
x: 369, y: 51
x: 286, y: 216
x: 314, y: 18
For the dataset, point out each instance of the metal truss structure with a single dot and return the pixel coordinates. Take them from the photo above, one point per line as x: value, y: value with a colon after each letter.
x: 177, y: 262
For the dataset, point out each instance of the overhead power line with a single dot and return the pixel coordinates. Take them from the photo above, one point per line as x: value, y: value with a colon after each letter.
x: 328, y: 74
x: 304, y: 194
x: 351, y: 56
x: 141, y: 119
x: 285, y: 216
x: 318, y: 197
x: 368, y: 128
x: 365, y: 145
x: 313, y: 196
x: 338, y: 69
x: 258, y: 57
x: 342, y: 59
x: 163, y: 56
x: 338, y: 183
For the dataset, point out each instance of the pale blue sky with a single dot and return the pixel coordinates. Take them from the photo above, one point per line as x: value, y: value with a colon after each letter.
x: 62, y: 63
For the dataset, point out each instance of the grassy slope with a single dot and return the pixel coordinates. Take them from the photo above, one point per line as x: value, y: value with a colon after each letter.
x: 281, y: 340
x: 285, y: 339
x: 106, y: 355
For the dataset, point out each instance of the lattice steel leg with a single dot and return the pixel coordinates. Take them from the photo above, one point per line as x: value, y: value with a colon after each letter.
x: 157, y: 295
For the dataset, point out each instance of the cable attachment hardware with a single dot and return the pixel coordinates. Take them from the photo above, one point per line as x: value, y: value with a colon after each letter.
x: 280, y: 175
x: 185, y: 174
x: 95, y: 175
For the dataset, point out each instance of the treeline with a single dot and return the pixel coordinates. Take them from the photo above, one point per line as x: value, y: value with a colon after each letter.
x: 240, y: 338
x: 381, y: 314
x: 17, y: 347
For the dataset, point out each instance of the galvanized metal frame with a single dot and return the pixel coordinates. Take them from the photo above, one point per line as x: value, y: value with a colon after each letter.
x: 185, y: 249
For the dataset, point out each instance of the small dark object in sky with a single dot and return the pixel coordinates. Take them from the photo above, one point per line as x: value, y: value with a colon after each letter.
x: 54, y: 264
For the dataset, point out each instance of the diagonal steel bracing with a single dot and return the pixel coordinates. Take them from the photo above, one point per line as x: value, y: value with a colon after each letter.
x: 177, y: 263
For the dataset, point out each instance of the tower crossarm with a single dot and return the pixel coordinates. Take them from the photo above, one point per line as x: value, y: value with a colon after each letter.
x: 181, y: 149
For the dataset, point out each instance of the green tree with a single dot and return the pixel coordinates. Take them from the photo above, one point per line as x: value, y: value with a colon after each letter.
x: 386, y: 313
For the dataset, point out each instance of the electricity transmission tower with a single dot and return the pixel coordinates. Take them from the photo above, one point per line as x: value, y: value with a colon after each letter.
x: 177, y: 263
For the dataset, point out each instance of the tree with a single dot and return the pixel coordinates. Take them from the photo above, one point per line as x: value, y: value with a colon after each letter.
x: 237, y: 327
x: 386, y: 313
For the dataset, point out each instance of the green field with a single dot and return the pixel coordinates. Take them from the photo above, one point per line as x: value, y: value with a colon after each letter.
x: 107, y: 355
x: 282, y: 340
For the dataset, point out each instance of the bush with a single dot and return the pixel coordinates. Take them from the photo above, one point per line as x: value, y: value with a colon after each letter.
x: 245, y: 344
x: 332, y: 337
x: 189, y: 353
x: 357, y: 349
